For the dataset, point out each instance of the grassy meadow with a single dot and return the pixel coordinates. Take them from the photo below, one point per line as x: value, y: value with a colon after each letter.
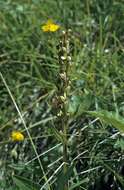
x: 62, y: 95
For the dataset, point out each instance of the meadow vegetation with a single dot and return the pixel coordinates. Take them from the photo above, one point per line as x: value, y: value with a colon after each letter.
x: 61, y: 95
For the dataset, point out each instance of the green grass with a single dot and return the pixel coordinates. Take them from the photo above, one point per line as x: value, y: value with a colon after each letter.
x: 30, y: 67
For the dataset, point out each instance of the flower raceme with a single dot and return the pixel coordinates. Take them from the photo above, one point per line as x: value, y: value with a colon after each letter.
x: 17, y: 136
x: 50, y: 26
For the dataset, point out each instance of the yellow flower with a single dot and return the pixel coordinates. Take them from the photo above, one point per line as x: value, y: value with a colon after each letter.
x: 17, y: 136
x: 50, y: 26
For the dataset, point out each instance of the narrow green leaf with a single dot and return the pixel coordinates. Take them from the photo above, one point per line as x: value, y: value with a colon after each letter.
x: 18, y: 167
x: 86, y: 180
x: 23, y: 183
x: 57, y: 134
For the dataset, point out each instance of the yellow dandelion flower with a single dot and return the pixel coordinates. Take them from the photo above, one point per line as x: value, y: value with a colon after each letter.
x: 17, y: 136
x: 50, y: 26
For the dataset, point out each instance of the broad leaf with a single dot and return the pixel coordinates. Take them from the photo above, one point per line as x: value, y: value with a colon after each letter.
x: 79, y: 104
x: 63, y: 178
x: 119, y: 144
x: 110, y: 118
